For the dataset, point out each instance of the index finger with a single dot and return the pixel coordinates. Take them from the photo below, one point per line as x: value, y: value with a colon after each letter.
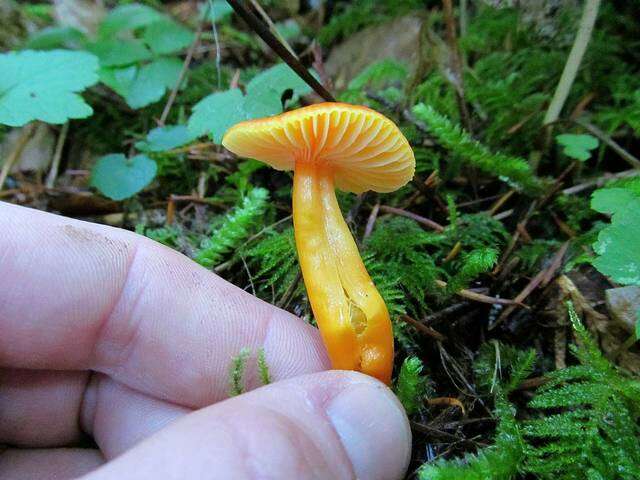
x: 75, y: 295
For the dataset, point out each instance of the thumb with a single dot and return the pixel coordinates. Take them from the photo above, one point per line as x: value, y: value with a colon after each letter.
x: 330, y: 425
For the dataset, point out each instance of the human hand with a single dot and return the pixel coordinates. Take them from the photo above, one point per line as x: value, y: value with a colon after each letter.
x: 108, y: 335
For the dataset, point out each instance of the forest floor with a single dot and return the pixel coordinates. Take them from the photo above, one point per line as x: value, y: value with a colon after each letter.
x: 525, y: 124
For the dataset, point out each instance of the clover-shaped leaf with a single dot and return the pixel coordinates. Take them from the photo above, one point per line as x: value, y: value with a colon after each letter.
x: 118, y: 178
x: 577, y: 146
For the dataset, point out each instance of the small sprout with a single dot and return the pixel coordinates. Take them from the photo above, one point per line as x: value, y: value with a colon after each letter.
x: 411, y: 385
x: 263, y: 368
x: 577, y: 147
x: 236, y: 374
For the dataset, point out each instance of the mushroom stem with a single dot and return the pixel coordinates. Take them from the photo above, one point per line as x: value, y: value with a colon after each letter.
x: 352, y: 316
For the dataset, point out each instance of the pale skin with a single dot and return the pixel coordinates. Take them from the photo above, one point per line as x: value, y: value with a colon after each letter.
x: 108, y: 336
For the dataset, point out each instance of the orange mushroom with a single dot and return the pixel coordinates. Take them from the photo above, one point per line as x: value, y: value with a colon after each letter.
x: 355, y: 149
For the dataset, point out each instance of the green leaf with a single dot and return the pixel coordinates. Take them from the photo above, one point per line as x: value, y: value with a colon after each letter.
x: 129, y: 17
x: 118, y: 53
x: 44, y: 85
x: 214, y: 114
x: 612, y: 200
x: 55, y: 37
x: 289, y: 29
x: 152, y: 82
x: 118, y: 178
x: 638, y: 325
x: 218, y: 10
x: 119, y: 79
x: 166, y: 37
x: 411, y: 385
x: 577, y: 146
x: 145, y: 85
x: 617, y: 246
x: 274, y: 81
x: 161, y: 139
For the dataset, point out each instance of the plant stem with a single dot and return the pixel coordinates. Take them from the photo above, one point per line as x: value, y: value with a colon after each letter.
x: 25, y: 135
x: 269, y: 38
x: 57, y: 155
x: 580, y: 43
x: 183, y: 71
x: 456, y: 63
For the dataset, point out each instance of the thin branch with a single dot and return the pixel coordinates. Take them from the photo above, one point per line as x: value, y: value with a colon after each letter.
x: 371, y: 221
x: 414, y: 216
x: 269, y: 38
x: 422, y: 328
x: 456, y: 63
x: 588, y: 20
x: 25, y: 135
x: 610, y: 142
x: 272, y: 26
x: 600, y: 181
x: 57, y: 155
x: 183, y: 72
x: 479, y: 297
x: 542, y: 278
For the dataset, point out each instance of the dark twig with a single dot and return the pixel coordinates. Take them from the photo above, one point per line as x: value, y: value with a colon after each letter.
x: 269, y: 38
x: 542, y: 278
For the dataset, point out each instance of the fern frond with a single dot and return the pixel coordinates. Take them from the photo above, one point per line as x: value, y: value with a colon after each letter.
x: 474, y: 263
x: 515, y: 170
x: 234, y: 228
x: 276, y: 261
x: 596, y: 431
x: 498, y: 462
x: 395, y: 252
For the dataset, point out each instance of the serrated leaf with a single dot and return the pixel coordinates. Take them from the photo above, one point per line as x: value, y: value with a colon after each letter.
x: 129, y: 17
x: 118, y: 178
x: 118, y: 53
x: 161, y: 139
x: 577, y: 146
x: 55, y: 37
x: 44, y: 86
x: 214, y: 114
x: 166, y: 37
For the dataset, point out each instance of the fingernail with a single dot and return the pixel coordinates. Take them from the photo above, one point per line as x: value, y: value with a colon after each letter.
x: 373, y: 429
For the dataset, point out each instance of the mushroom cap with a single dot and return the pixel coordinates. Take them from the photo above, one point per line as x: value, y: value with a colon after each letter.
x: 364, y: 149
